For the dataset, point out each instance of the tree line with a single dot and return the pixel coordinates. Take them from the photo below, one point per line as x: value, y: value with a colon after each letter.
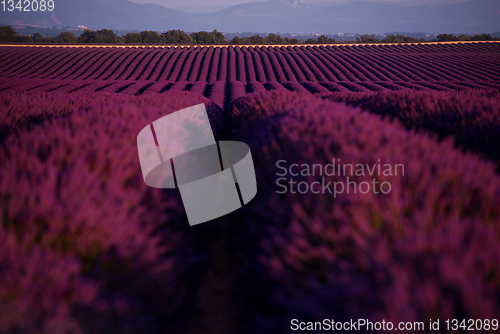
x: 439, y: 38
x: 8, y: 34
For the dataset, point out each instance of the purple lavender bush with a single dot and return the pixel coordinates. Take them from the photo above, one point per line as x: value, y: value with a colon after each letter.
x: 18, y: 109
x: 85, y: 245
x: 471, y: 117
x: 217, y: 93
x: 427, y: 249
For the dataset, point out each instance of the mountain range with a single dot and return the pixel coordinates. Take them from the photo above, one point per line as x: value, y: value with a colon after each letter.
x: 291, y: 16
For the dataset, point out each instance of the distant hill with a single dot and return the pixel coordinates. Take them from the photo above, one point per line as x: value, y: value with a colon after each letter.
x: 102, y: 14
x: 474, y: 16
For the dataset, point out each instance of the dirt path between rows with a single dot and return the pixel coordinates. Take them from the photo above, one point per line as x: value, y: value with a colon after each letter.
x: 214, y: 310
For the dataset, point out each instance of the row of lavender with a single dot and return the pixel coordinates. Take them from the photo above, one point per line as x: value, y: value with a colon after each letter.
x: 471, y: 118
x: 87, y: 246
x: 428, y: 249
x: 442, y: 62
x: 223, y: 93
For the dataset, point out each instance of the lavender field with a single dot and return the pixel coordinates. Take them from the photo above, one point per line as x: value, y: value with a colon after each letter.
x: 87, y: 247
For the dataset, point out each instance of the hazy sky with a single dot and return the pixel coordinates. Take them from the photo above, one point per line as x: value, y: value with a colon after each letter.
x: 217, y: 3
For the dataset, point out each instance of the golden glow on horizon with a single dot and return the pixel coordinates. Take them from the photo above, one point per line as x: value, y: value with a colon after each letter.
x: 224, y: 45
